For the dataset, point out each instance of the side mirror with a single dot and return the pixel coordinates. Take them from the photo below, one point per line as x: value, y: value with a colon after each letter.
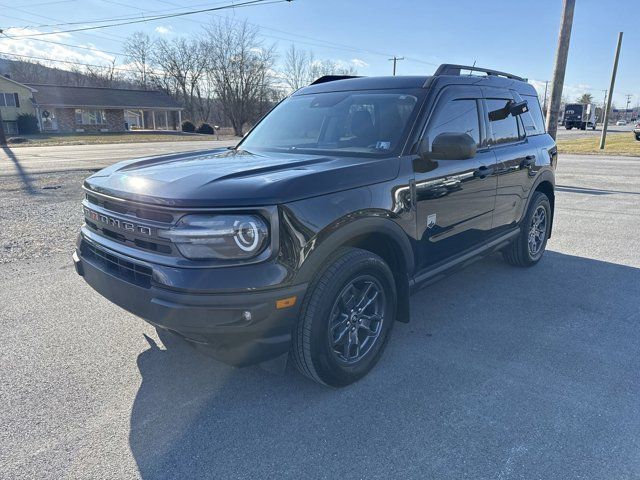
x: 511, y: 108
x: 453, y: 146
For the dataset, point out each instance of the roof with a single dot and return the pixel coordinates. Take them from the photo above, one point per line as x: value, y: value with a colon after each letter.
x: 446, y: 74
x: 69, y: 96
x: 365, y: 83
x: 7, y: 79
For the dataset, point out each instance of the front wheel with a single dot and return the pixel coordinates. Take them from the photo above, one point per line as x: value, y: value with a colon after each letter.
x: 529, y: 246
x: 638, y: 137
x: 346, y: 319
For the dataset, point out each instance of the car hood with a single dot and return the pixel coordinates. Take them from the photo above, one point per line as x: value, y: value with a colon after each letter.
x: 230, y: 178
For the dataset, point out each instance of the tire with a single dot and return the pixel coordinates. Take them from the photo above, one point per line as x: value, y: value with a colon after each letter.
x: 638, y: 137
x: 568, y: 128
x: 314, y: 350
x: 520, y: 253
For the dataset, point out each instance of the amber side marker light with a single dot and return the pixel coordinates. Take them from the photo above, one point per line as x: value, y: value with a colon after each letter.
x: 286, y: 302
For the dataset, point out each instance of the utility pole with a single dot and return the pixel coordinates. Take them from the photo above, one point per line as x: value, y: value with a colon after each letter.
x: 603, y: 138
x: 626, y: 110
x: 562, y: 53
x: 544, y: 103
x: 395, y: 60
x: 3, y: 138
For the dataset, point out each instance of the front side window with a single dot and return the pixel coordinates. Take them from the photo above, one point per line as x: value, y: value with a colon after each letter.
x: 359, y: 123
x: 90, y: 117
x: 505, y: 130
x: 457, y: 116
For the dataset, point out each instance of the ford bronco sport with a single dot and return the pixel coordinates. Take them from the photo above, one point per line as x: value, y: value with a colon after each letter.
x: 307, y: 238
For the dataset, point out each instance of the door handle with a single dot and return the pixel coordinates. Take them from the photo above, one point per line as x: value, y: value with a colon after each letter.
x: 483, y: 171
x: 528, y: 161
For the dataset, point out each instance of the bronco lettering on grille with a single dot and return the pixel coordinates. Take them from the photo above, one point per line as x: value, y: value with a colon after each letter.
x: 114, y: 222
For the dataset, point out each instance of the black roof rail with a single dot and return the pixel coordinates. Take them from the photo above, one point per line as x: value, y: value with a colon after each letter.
x: 332, y: 78
x: 451, y: 69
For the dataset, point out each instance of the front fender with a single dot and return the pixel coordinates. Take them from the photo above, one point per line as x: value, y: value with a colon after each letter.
x: 343, y: 232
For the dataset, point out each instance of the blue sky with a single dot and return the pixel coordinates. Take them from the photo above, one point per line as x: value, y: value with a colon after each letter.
x: 516, y: 36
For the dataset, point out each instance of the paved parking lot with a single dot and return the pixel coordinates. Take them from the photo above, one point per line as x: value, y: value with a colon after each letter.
x: 502, y: 372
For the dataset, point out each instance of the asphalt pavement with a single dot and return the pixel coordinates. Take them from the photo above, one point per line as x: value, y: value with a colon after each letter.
x: 34, y: 159
x: 501, y: 373
x: 577, y: 133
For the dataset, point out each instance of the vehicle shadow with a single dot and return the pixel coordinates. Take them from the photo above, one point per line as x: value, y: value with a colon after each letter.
x: 24, y: 176
x: 495, y: 358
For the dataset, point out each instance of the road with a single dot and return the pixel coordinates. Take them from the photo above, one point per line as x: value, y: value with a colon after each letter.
x: 76, y: 157
x: 501, y: 373
x: 577, y: 133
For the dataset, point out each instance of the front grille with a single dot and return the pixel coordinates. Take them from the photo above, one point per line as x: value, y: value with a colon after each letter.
x: 128, y: 224
x: 129, y: 209
x: 130, y: 272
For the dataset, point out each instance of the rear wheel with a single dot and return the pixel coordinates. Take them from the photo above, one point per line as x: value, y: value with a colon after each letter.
x: 638, y: 137
x: 346, y: 319
x: 528, y: 247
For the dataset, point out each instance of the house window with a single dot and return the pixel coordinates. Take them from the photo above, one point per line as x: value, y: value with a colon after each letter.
x: 10, y: 128
x: 9, y: 100
x: 90, y: 117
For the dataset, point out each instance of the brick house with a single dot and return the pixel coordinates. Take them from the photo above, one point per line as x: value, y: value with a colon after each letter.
x: 61, y: 108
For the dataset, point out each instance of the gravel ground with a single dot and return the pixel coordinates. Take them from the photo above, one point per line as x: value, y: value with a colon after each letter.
x: 41, y: 221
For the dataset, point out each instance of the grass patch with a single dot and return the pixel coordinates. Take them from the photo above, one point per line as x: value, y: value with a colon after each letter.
x: 54, y: 139
x: 616, y: 144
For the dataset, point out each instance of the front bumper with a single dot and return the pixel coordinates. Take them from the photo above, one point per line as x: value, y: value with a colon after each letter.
x: 216, y: 322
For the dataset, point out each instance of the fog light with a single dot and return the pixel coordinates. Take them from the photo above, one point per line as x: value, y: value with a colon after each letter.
x: 246, y: 316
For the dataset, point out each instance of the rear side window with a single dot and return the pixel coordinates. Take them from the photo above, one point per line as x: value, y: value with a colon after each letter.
x: 457, y: 116
x: 533, y: 119
x: 505, y: 130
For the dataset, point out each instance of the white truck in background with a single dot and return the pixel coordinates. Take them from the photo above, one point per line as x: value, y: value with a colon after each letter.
x: 580, y: 115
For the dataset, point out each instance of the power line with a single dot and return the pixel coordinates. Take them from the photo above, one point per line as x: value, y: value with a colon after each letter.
x: 115, y: 19
x: 66, y: 45
x: 63, y: 61
x: 159, y: 17
x: 105, y: 36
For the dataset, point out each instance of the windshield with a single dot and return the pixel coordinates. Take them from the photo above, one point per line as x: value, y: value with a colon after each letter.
x: 362, y: 123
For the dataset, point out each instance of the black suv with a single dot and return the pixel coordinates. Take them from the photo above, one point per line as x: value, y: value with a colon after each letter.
x: 307, y: 238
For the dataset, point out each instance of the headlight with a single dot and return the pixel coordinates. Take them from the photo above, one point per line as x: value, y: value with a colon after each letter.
x: 219, y: 236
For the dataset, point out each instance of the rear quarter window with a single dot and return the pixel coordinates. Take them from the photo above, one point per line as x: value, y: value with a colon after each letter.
x: 533, y: 120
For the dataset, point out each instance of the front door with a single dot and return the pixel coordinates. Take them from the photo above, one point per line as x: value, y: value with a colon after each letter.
x: 455, y: 198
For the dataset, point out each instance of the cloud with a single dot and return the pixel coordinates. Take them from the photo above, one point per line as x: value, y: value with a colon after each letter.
x: 32, y: 47
x: 570, y: 92
x: 358, y: 63
x: 162, y: 30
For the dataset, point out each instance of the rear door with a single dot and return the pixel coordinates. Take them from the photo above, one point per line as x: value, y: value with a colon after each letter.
x: 515, y: 156
x: 455, y: 198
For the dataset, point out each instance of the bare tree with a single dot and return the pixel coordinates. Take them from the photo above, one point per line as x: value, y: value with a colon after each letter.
x: 240, y: 69
x: 183, y: 64
x: 320, y: 68
x: 138, y: 49
x: 296, y: 67
x: 107, y: 76
x: 300, y: 68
